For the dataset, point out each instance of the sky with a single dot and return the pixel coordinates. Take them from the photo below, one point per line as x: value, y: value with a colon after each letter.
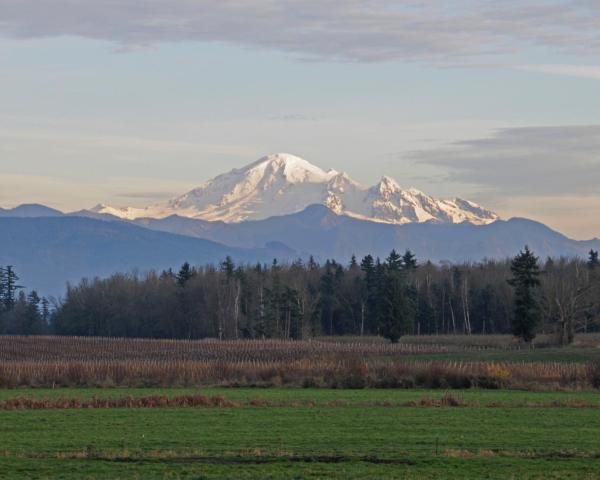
x: 130, y: 102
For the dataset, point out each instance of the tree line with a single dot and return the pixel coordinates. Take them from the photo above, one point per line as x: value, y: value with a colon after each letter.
x: 20, y: 313
x: 392, y: 297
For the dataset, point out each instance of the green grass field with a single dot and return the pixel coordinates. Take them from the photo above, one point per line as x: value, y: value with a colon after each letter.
x: 345, y: 441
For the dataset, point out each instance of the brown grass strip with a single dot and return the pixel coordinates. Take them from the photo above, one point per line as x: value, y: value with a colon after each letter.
x: 220, y: 401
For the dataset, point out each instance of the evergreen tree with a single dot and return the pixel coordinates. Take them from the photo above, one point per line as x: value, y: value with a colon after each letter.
x: 593, y: 261
x: 45, y: 311
x: 367, y: 265
x: 409, y: 261
x: 185, y: 273
x: 9, y: 287
x: 32, y: 323
x: 379, y: 295
x: 397, y: 309
x: 273, y: 305
x: 228, y: 267
x: 394, y: 261
x: 17, y: 316
x: 2, y: 289
x: 168, y: 274
x: 328, y: 299
x: 425, y: 316
x: 525, y: 280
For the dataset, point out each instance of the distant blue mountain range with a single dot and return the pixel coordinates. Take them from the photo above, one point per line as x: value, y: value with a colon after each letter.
x: 48, y: 252
x: 49, y: 248
x: 30, y: 210
x: 318, y: 231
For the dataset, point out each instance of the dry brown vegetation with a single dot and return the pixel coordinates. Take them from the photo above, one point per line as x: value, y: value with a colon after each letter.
x: 199, y: 400
x: 322, y: 371
x: 105, y: 362
x: 49, y: 348
x: 205, y: 401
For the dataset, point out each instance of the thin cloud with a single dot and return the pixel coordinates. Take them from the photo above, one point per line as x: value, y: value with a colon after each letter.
x: 147, y: 195
x: 293, y: 117
x: 531, y: 161
x: 581, y: 71
x: 353, y: 30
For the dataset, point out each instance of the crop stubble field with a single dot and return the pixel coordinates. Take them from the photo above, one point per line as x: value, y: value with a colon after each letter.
x: 171, y: 411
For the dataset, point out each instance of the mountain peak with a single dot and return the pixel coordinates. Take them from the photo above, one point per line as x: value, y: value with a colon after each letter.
x: 30, y: 210
x: 283, y: 158
x: 294, y: 169
x: 341, y: 180
x: 387, y: 187
x: 282, y: 183
x: 389, y: 183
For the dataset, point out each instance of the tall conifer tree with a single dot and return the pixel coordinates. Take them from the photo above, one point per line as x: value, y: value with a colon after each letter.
x: 525, y: 280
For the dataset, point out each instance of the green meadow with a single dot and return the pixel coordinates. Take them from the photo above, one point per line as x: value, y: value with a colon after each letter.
x: 341, y: 434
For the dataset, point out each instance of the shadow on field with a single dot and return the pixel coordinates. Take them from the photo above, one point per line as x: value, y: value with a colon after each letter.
x: 267, y: 460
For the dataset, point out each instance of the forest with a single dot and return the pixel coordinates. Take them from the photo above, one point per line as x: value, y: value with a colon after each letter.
x: 392, y: 297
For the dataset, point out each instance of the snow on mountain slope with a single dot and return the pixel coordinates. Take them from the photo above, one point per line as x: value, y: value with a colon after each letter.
x: 281, y: 184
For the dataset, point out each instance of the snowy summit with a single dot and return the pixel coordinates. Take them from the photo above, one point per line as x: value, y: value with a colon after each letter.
x: 282, y: 184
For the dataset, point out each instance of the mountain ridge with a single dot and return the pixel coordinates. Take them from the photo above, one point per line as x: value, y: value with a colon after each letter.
x: 30, y: 210
x: 281, y: 184
x: 48, y: 252
x: 320, y: 232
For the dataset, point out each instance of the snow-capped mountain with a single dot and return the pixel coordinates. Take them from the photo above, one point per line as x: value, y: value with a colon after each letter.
x: 282, y: 184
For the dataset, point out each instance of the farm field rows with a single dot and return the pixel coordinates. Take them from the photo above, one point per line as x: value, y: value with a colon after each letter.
x: 109, y: 362
x: 99, y: 408
x: 341, y: 440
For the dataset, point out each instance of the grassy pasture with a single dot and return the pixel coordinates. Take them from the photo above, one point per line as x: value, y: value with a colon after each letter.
x: 324, y: 441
